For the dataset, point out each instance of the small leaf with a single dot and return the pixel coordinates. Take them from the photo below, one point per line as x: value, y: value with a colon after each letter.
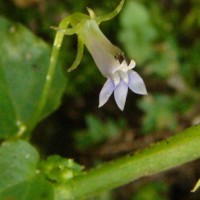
x: 165, y: 62
x: 137, y: 32
x: 196, y: 187
x: 97, y: 132
x: 159, y: 113
x: 19, y: 176
x: 23, y: 68
x: 60, y: 170
x: 152, y: 191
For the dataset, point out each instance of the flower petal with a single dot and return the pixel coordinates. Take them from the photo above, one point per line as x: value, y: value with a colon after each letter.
x: 122, y: 67
x: 132, y: 64
x: 101, y: 49
x: 120, y: 94
x: 136, y: 84
x: 106, y: 92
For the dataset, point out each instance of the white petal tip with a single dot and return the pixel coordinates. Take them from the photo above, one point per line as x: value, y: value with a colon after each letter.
x: 132, y: 64
x: 143, y: 92
x: 100, y: 105
x: 120, y: 95
x: 136, y: 84
x: 106, y: 92
x: 121, y: 108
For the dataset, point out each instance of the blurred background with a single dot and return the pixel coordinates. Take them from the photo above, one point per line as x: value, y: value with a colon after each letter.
x: 163, y: 36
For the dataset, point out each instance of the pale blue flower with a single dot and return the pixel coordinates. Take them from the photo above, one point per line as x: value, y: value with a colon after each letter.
x: 119, y: 82
x: 109, y: 60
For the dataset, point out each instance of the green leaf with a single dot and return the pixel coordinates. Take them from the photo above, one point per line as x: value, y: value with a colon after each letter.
x: 165, y: 62
x: 160, y: 113
x: 19, y: 177
x: 152, y: 191
x: 97, y: 132
x: 23, y: 68
x: 196, y: 187
x: 60, y: 170
x: 137, y: 33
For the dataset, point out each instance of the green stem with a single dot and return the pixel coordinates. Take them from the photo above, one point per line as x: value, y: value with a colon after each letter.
x: 50, y: 74
x: 111, y: 15
x: 179, y: 149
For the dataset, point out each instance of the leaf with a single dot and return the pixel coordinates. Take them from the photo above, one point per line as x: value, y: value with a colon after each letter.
x: 23, y: 67
x: 19, y: 179
x: 196, y: 187
x: 97, y: 132
x: 137, y: 33
x: 165, y: 62
x: 152, y: 191
x: 59, y: 169
x: 160, y: 113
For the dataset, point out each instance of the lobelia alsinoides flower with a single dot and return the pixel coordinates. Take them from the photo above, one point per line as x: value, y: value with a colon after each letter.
x: 108, y: 58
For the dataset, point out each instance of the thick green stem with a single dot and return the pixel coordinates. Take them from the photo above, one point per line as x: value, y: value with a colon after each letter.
x: 179, y: 149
